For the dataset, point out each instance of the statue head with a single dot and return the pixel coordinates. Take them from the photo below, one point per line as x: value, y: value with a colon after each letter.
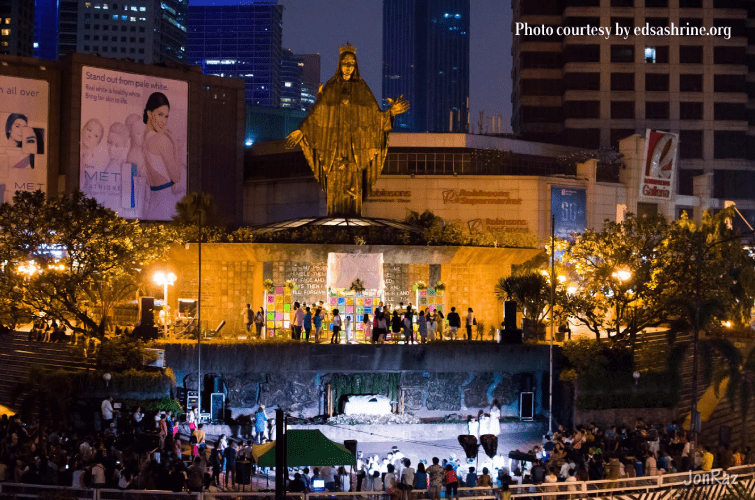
x: 348, y: 69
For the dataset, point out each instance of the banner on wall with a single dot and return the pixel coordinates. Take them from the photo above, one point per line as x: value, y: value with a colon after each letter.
x: 569, y: 209
x: 24, y: 107
x: 344, y: 268
x: 133, y: 152
x: 657, y: 177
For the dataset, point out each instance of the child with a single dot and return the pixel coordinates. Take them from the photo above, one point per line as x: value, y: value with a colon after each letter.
x: 452, y: 483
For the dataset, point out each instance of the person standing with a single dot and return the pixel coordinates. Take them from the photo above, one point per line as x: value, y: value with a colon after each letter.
x: 367, y: 329
x: 454, y: 323
x: 347, y: 328
x: 396, y: 325
x: 435, y: 476
x: 336, y: 337
x: 248, y: 315
x: 440, y: 319
x: 260, y: 424
x: 307, y: 323
x: 230, y: 464
x: 298, y: 321
x: 107, y: 412
x: 471, y: 321
x: 317, y: 321
x: 452, y: 482
x: 407, y: 480
x: 259, y: 321
x: 422, y: 327
x: 495, y: 418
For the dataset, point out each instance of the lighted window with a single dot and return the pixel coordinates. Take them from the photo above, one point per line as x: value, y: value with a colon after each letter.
x: 97, y: 6
x: 105, y: 6
x: 288, y: 84
x: 124, y: 18
x: 134, y: 8
x: 4, y: 44
x: 142, y: 9
x: 7, y: 20
x: 115, y: 17
x: 5, y: 32
x: 650, y: 55
x: 87, y: 4
x: 133, y: 19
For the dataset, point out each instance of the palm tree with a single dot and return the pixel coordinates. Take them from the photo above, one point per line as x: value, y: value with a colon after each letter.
x: 531, y: 291
x: 194, y: 205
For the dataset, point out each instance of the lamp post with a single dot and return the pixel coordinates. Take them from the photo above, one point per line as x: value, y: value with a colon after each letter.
x: 165, y: 279
x: 553, y: 307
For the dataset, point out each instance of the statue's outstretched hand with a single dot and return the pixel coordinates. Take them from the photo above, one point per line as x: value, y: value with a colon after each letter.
x: 399, y: 105
x: 294, y: 138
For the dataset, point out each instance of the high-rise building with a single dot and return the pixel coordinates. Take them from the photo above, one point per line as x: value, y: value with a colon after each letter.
x: 592, y: 91
x: 426, y: 59
x: 46, y: 29
x: 241, y: 41
x: 17, y: 27
x: 310, y: 80
x: 143, y: 30
x: 292, y: 68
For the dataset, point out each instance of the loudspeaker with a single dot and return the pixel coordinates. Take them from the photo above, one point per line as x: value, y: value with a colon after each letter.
x: 351, y: 445
x: 509, y: 315
x: 527, y: 406
x: 489, y: 444
x: 217, y: 400
x: 469, y: 443
x: 724, y: 435
x: 147, y: 311
x: 217, y: 384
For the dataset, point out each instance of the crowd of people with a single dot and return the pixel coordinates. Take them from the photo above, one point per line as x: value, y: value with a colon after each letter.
x: 317, y: 323
x: 590, y: 453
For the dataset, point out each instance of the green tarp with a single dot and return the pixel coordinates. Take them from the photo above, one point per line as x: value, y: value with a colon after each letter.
x: 309, y: 447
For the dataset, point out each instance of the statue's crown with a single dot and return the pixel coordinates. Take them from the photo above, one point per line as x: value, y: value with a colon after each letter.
x: 347, y: 48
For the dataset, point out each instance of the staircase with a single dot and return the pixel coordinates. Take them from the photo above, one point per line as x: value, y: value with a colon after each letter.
x: 17, y: 354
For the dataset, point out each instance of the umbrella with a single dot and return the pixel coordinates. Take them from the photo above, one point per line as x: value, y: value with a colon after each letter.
x: 305, y: 447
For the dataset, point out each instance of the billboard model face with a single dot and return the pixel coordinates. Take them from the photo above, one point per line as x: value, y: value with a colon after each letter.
x: 133, y: 142
x: 23, y: 144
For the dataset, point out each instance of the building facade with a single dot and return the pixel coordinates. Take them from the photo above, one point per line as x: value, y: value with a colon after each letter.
x: 241, y: 41
x: 426, y: 59
x: 17, y: 27
x: 593, y: 91
x: 141, y: 30
x: 292, y: 70
x: 46, y: 29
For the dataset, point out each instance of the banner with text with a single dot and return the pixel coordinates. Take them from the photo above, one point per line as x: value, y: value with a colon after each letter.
x: 133, y: 142
x: 24, y: 106
x: 657, y: 178
x: 569, y: 208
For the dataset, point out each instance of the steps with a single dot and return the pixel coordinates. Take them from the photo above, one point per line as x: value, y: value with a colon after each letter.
x: 18, y: 354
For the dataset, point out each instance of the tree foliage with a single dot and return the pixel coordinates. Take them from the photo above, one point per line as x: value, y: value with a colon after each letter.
x: 71, y: 258
x: 530, y: 291
x: 659, y: 261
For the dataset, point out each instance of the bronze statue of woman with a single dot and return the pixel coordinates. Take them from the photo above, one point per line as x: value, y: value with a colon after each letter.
x: 345, y: 137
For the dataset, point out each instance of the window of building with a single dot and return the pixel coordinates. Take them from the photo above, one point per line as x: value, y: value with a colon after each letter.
x: 86, y: 48
x: 141, y: 29
x: 690, y: 54
x: 141, y: 39
x: 728, y: 4
x: 622, y: 109
x: 582, y: 53
x: 96, y: 48
x: 647, y: 209
x: 728, y: 83
x: 690, y: 4
x: 692, y: 22
x: 87, y: 15
x: 690, y: 110
x: 656, y: 3
x: 87, y: 26
x: 686, y: 177
x: 622, y: 53
x: 96, y: 26
x: 96, y: 37
x: 5, y: 32
x: 622, y: 3
x: 729, y: 111
x: 656, y: 55
x: 690, y: 83
x: 690, y: 147
x: 734, y: 184
x: 588, y: 138
x: 141, y: 51
x: 132, y: 39
x: 123, y: 39
x: 622, y: 81
x: 86, y: 37
x: 575, y: 21
x: 132, y: 50
x: 123, y: 50
x: 656, y: 82
x: 96, y: 16
x: 104, y: 49
x: 729, y: 144
x: 729, y: 55
x: 582, y: 109
x: 624, y: 22
x: 542, y: 114
x: 582, y: 81
x: 656, y: 22
x: 541, y: 86
x: 656, y: 110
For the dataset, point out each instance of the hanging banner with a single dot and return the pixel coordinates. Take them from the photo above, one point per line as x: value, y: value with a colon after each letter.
x: 569, y: 209
x: 345, y: 268
x: 657, y: 179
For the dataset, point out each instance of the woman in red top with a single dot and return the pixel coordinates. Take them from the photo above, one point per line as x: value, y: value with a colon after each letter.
x: 452, y: 483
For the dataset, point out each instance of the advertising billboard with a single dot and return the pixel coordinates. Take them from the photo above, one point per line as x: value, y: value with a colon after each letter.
x: 569, y: 208
x: 133, y: 142
x: 657, y: 179
x: 23, y: 152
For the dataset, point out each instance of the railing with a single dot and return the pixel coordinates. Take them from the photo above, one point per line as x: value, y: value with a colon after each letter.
x: 608, y: 488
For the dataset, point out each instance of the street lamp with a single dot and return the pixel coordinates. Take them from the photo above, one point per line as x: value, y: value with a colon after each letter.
x: 165, y: 279
x: 622, y: 275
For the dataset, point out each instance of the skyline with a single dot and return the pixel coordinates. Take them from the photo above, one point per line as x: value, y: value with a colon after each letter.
x: 311, y: 27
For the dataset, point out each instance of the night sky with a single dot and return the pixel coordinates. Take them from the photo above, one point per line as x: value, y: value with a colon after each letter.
x: 320, y: 26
